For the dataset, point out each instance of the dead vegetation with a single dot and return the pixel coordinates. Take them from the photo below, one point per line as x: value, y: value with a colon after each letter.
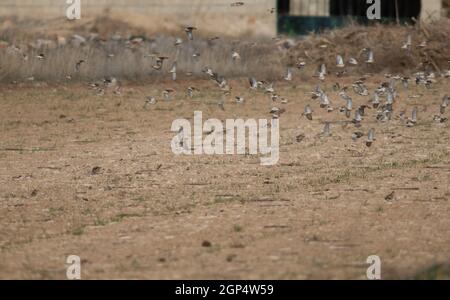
x: 113, y: 48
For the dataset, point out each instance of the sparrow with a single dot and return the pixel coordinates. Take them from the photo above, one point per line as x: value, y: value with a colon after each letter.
x: 235, y: 56
x: 357, y: 135
x: 370, y: 55
x: 353, y: 61
x: 370, y: 137
x: 189, y: 32
x: 390, y: 197
x: 190, y: 91
x: 340, y: 61
x: 308, y: 112
x: 167, y: 94
x: 444, y: 104
x: 178, y: 42
x: 288, y: 76
x: 253, y: 83
x: 159, y: 62
x: 173, y: 71
x: 78, y: 64
x: 357, y: 119
x: 239, y: 99
x: 149, y: 101
x: 326, y: 131
x: 411, y: 122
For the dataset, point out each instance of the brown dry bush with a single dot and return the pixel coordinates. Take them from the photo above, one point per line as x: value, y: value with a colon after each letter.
x: 386, y: 42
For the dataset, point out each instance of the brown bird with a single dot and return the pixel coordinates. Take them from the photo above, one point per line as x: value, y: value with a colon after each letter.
x: 78, y: 64
x: 390, y: 197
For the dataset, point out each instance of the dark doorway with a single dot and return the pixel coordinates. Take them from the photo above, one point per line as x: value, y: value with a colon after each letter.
x: 283, y: 7
x: 406, y: 8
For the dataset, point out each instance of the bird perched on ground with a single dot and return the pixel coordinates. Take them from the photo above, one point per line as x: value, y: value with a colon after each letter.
x: 326, y: 131
x: 189, y: 32
x: 149, y: 101
x: 348, y: 107
x: 208, y: 71
x: 239, y: 99
x: 40, y: 56
x: 308, y: 112
x: 322, y: 72
x: 221, y: 101
x: 277, y: 112
x: 357, y: 119
x: 110, y: 81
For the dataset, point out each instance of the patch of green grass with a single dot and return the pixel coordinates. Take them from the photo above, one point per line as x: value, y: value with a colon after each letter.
x: 435, y: 272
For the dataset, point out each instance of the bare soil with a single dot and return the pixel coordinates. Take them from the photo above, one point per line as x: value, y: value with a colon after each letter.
x: 147, y: 213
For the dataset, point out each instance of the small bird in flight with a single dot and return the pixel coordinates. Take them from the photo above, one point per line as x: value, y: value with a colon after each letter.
x: 236, y: 4
x: 413, y: 121
x: 340, y: 61
x: 308, y: 112
x: 78, y: 64
x: 159, y: 62
x: 444, y: 104
x: 370, y: 137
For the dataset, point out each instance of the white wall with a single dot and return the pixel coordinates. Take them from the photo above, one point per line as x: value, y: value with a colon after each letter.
x: 215, y: 15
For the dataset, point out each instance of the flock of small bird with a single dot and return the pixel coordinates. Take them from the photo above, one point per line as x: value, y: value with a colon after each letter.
x: 382, y: 100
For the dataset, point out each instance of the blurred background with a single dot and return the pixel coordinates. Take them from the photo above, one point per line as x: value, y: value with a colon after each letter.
x: 256, y: 17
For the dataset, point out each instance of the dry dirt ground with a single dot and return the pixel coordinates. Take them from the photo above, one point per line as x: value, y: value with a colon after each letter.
x: 148, y: 214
